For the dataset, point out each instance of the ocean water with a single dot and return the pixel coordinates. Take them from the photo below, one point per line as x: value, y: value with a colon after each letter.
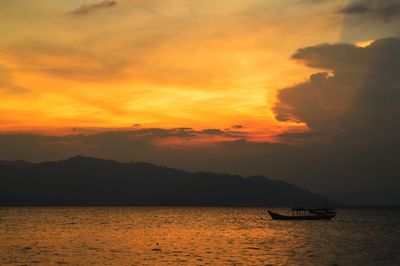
x: 195, y: 236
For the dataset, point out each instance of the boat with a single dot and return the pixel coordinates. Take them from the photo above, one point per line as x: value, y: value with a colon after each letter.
x: 305, y: 214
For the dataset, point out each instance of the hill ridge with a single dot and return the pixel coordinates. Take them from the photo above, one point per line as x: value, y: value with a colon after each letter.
x: 81, y: 181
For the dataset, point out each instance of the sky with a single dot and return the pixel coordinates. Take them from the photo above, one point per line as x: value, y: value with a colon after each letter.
x: 305, y: 91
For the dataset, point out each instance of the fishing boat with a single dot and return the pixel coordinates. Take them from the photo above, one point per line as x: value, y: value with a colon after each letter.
x: 305, y: 214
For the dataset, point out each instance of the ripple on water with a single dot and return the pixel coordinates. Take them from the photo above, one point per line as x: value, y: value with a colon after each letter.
x: 205, y: 236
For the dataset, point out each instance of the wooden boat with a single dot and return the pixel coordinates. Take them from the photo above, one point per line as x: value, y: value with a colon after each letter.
x: 305, y: 214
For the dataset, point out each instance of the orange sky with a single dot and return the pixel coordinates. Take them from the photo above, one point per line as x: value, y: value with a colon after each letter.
x: 176, y: 63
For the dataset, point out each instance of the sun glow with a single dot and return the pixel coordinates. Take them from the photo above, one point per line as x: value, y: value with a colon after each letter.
x: 213, y: 68
x: 363, y: 43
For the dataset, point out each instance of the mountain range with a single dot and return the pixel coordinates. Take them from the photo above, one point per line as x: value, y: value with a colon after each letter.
x: 83, y: 181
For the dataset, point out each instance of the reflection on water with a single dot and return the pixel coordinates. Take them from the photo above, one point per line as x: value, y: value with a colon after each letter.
x: 194, y: 236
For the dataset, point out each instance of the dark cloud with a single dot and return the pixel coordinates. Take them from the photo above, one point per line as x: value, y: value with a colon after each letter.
x: 362, y: 90
x: 187, y: 133
x: 86, y: 9
x: 237, y: 126
x: 213, y: 131
x: 387, y: 9
x: 300, y: 137
x: 331, y: 56
x: 120, y: 145
x: 353, y: 114
x: 151, y: 133
x: 355, y: 8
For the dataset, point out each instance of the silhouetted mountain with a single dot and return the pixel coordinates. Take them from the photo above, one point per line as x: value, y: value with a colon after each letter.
x: 18, y: 163
x: 88, y: 181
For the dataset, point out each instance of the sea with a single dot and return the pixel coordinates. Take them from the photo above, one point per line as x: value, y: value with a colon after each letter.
x: 195, y: 236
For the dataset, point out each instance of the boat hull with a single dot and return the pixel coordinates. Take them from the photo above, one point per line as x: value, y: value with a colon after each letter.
x: 277, y: 216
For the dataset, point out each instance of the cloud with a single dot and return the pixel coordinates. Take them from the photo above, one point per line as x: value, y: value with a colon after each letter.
x: 353, y: 114
x: 152, y: 135
x: 87, y: 9
x: 237, y: 126
x: 187, y: 133
x: 362, y: 90
x: 387, y: 9
x: 299, y: 137
x: 137, y: 144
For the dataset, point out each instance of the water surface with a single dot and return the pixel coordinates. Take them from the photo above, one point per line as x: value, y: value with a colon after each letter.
x: 195, y: 236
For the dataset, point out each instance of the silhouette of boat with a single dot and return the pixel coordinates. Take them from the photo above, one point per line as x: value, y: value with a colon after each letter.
x: 305, y: 214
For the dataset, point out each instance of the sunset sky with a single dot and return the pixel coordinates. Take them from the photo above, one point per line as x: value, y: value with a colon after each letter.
x: 262, y: 85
